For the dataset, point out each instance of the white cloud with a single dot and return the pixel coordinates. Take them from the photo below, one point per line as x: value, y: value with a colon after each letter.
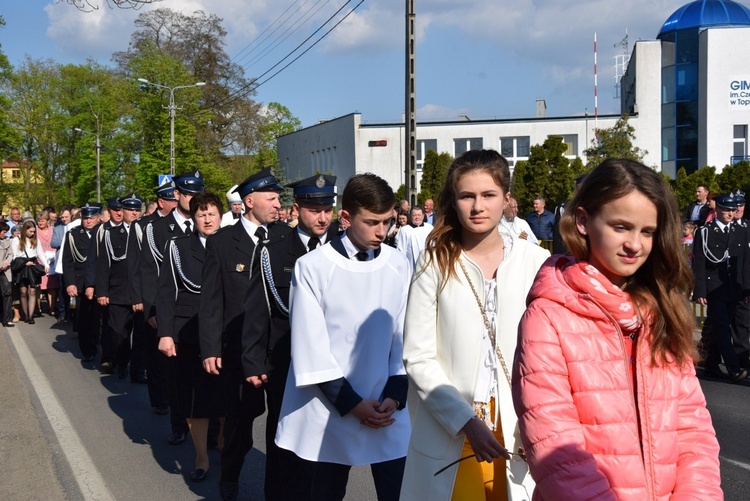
x: 436, y: 112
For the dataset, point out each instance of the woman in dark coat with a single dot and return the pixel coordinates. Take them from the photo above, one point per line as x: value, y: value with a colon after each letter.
x: 198, y: 394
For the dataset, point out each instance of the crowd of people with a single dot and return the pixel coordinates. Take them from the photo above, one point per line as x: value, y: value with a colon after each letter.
x: 438, y: 344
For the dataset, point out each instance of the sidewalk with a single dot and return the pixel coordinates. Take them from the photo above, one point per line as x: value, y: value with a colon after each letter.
x: 31, y: 464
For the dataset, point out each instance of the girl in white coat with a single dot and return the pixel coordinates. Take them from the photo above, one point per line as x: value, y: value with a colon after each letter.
x: 462, y: 317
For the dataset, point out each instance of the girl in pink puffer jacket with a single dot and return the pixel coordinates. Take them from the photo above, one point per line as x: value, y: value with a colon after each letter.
x: 603, y: 382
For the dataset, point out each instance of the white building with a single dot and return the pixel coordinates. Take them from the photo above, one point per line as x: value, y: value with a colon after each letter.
x: 687, y: 94
x: 345, y: 146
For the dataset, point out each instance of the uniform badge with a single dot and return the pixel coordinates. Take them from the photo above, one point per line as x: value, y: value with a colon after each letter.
x: 240, y: 268
x: 122, y: 230
x: 320, y: 183
x: 288, y: 269
x: 171, y: 227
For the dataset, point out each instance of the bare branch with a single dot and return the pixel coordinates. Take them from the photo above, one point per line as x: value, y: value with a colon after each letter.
x: 92, y: 5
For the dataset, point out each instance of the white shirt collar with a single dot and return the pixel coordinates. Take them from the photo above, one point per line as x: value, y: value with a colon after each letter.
x: 181, y: 220
x: 352, y: 250
x: 306, y: 238
x: 251, y: 228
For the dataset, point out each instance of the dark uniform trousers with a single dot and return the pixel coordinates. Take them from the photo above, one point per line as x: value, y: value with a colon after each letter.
x: 87, y: 314
x: 230, y: 254
x: 115, y: 269
x: 724, y: 285
x: 155, y: 362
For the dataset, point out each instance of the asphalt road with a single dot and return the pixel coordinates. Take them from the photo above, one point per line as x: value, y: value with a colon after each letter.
x: 94, y: 436
x: 67, y: 432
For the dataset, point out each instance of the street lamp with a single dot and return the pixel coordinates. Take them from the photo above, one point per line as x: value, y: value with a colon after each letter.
x: 171, y: 109
x: 98, y: 172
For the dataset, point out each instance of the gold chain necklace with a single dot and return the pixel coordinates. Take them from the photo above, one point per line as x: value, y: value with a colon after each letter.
x: 487, y: 325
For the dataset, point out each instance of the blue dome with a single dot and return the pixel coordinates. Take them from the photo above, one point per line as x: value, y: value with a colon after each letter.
x: 706, y: 14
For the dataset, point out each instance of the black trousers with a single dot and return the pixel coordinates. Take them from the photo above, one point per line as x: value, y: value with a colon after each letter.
x: 327, y: 481
x: 282, y: 466
x: 116, y: 347
x: 6, y: 290
x: 720, y: 316
x: 88, y: 314
x: 244, y: 404
x: 741, y: 333
x: 154, y: 361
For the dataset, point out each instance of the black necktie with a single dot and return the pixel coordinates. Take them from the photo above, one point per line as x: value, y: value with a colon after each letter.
x: 187, y: 227
x: 313, y: 243
x: 261, y: 234
x: 726, y: 229
x: 362, y: 256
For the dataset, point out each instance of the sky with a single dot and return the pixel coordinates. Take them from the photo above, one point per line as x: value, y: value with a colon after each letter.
x: 486, y: 59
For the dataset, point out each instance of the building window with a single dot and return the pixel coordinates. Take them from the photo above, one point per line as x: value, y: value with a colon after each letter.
x: 739, y: 151
x: 571, y: 141
x: 423, y: 146
x: 15, y: 174
x: 464, y: 144
x: 515, y: 149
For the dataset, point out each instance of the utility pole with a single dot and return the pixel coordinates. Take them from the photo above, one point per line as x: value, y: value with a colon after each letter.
x: 172, y: 108
x: 410, y: 114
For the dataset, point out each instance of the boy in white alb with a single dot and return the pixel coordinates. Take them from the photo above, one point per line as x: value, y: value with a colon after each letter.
x: 347, y: 385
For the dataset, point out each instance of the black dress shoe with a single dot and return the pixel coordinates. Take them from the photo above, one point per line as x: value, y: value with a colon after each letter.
x: 176, y: 438
x: 88, y: 358
x: 30, y: 321
x: 229, y: 490
x: 138, y: 379
x: 738, y: 376
x: 122, y: 373
x: 198, y: 475
x: 9, y: 324
x: 161, y: 410
x: 107, y: 368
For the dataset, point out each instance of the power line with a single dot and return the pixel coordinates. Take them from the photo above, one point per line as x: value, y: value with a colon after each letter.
x: 239, y: 57
x: 288, y: 32
x: 246, y: 89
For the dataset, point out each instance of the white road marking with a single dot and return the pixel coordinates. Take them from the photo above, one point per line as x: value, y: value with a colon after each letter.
x: 92, y: 485
x: 736, y: 463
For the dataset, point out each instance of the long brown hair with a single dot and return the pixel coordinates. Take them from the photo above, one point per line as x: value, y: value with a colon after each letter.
x: 22, y: 236
x: 444, y: 242
x: 662, y: 285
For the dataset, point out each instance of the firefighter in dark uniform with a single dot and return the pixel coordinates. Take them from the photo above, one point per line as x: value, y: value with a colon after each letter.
x: 230, y: 254
x: 115, y: 288
x: 156, y: 235
x: 266, y: 344
x: 198, y: 395
x: 75, y: 251
x: 158, y: 390
x: 721, y: 265
x: 741, y: 326
x: 114, y: 209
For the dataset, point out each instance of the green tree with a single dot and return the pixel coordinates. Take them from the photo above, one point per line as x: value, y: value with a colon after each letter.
x: 273, y: 121
x: 685, y: 185
x: 614, y: 142
x: 547, y: 173
x: 734, y: 177
x: 434, y: 174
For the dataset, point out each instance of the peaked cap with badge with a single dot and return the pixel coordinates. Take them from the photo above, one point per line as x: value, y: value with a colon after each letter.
x: 114, y: 203
x: 91, y: 209
x: 165, y: 191
x: 260, y: 181
x: 190, y: 182
x: 131, y: 202
x: 320, y: 189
